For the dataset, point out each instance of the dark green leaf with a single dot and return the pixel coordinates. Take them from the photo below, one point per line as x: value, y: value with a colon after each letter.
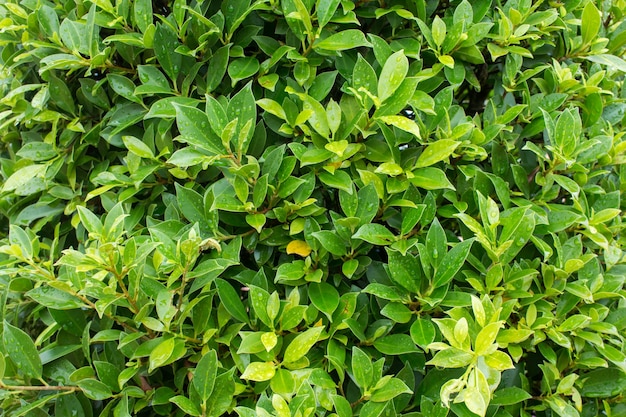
x: 324, y: 296
x: 231, y: 300
x: 22, y: 351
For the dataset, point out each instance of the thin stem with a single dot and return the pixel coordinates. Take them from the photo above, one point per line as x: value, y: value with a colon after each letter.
x: 38, y: 388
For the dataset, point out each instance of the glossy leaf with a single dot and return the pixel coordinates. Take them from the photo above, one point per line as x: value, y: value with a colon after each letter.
x: 21, y: 350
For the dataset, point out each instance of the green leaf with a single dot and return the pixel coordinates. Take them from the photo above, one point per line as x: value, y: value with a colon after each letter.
x: 451, y: 358
x: 137, y: 147
x: 363, y: 75
x: 486, y: 337
x: 390, y: 390
x: 423, y: 332
x: 347, y: 39
x: 509, y: 396
x: 259, y: 371
x: 124, y: 87
x: 19, y: 180
x: 395, y: 344
x: 376, y: 234
x: 22, y: 351
x: 324, y: 296
x: 340, y: 180
x: 518, y: 226
x: 452, y: 263
x: 150, y: 75
x: 603, y: 383
x: 257, y: 221
x: 397, y: 312
x: 94, y: 389
x: 402, y: 123
x: 231, y: 301
x: 37, y: 151
x: 48, y: 19
x: 185, y: 404
x: 194, y: 128
x: 165, y: 43
x: 565, y: 137
x: 91, y: 222
x: 222, y: 396
x: 142, y: 14
x: 217, y: 67
x: 67, y: 405
x: 331, y: 242
x: 290, y: 271
x: 404, y: 270
x: 301, y: 344
x: 392, y: 75
x: 204, y: 375
x: 438, y: 31
x: 325, y: 11
x: 608, y: 60
x: 430, y: 179
x: 362, y: 369
x: 161, y: 353
x: 272, y: 107
x: 436, y: 151
x: 242, y: 68
x: 590, y: 22
x: 318, y: 118
x: 373, y: 409
x: 54, y: 298
x: 191, y: 205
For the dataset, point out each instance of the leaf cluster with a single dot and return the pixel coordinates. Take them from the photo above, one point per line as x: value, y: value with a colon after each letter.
x: 312, y: 208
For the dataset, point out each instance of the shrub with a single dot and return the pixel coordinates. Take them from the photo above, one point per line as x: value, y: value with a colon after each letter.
x: 299, y: 208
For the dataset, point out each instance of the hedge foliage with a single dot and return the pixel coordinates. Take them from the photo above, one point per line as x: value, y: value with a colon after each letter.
x: 303, y: 208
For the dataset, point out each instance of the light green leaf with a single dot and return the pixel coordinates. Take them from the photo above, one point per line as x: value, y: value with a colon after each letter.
x: 438, y: 31
x: 608, y: 60
x: 301, y: 344
x: 392, y: 75
x: 325, y: 11
x: 186, y: 405
x: 590, y: 22
x: 390, y: 390
x: 436, y: 151
x: 22, y: 176
x: 486, y: 337
x: 402, y: 123
x: 347, y: 39
x: 259, y: 371
x: 161, y: 353
x: 362, y: 369
x: 137, y: 147
x: 451, y: 358
x: 430, y: 179
x: 376, y: 234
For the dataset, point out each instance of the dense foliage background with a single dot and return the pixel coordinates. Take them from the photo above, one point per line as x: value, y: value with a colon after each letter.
x: 312, y: 208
